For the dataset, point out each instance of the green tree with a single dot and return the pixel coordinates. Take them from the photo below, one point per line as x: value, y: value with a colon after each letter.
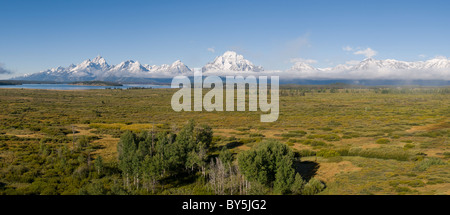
x: 204, y: 134
x: 298, y: 184
x: 126, y: 149
x: 226, y: 156
x: 284, y: 176
x: 261, y: 163
x: 99, y: 164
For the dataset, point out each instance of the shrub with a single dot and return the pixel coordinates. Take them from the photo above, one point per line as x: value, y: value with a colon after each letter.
x: 313, y: 187
x: 327, y: 153
x: 294, y: 134
x: 403, y: 190
x: 331, y: 137
x: 381, y: 153
x: 409, y: 146
x: 314, y: 143
x: 350, y: 135
x: 256, y: 135
x: 327, y: 137
x: 383, y: 141
x: 425, y: 164
x: 447, y: 154
x: 306, y: 153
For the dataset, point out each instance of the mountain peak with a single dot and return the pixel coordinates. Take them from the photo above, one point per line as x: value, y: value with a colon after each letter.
x: 99, y: 60
x: 300, y: 66
x: 230, y: 54
x: 177, y: 63
x: 231, y: 61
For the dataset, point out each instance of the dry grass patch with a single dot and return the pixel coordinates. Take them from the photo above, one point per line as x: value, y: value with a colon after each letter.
x: 327, y: 170
x: 109, y: 148
x: 429, y: 127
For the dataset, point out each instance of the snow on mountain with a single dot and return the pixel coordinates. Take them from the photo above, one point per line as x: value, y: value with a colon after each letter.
x: 98, y: 69
x: 176, y: 68
x: 302, y: 66
x: 230, y: 63
x: 438, y: 69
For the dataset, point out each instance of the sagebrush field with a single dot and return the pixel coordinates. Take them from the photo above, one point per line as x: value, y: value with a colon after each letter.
x: 338, y: 139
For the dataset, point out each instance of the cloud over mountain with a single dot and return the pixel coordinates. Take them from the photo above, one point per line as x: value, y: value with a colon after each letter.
x: 366, y: 52
x: 434, y: 69
x: 3, y: 70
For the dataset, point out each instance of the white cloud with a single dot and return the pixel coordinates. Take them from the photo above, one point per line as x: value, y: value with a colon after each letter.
x: 293, y: 47
x: 212, y: 49
x: 307, y: 61
x: 347, y: 48
x: 367, y: 52
x: 440, y: 57
x: 352, y: 62
x: 3, y: 70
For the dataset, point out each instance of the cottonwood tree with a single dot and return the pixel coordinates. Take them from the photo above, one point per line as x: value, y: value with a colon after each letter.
x: 298, y: 185
x: 99, y: 164
x: 284, y: 176
x: 270, y: 164
x: 147, y: 160
x: 126, y: 150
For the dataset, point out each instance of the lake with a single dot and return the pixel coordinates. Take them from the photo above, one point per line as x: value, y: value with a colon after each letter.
x: 79, y: 87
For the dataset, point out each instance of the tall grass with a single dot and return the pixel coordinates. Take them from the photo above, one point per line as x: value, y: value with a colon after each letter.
x: 425, y: 164
x: 380, y: 153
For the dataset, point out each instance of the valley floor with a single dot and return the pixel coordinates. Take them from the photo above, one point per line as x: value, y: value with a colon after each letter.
x: 356, y: 141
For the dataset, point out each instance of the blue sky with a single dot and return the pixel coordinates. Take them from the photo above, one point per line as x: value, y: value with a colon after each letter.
x: 37, y: 35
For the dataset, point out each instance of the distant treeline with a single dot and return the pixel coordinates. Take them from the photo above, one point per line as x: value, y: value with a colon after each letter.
x: 96, y: 83
x: 14, y: 82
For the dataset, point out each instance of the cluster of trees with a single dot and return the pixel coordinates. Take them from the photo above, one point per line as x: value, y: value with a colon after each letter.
x: 147, y: 158
x: 272, y: 164
x: 225, y: 177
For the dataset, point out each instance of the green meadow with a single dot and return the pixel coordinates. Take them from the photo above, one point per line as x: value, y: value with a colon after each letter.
x: 327, y: 140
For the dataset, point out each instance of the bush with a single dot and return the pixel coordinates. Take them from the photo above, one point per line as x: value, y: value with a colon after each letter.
x: 313, y: 187
x: 409, y: 146
x: 306, y: 153
x: 256, y: 135
x: 383, y: 141
x: 294, y: 134
x: 313, y: 143
x: 425, y: 164
x: 380, y: 153
x: 327, y: 137
x: 332, y: 137
x: 447, y: 154
x: 327, y: 153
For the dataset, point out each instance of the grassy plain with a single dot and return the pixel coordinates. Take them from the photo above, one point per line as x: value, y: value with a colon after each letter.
x: 357, y: 141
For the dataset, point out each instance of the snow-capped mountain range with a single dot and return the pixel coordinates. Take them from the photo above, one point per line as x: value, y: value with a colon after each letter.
x: 434, y: 69
x: 231, y: 63
x: 97, y: 69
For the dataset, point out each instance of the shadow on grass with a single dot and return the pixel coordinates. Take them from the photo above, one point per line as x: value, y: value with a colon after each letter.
x: 180, y: 179
x: 234, y: 144
x: 307, y: 169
